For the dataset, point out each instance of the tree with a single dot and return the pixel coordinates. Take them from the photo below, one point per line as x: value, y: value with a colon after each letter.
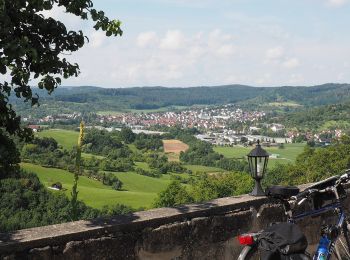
x: 127, y: 135
x: 9, y: 155
x: 31, y: 47
x: 174, y: 194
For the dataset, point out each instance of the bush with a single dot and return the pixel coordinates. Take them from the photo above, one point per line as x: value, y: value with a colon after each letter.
x: 174, y: 194
x: 153, y: 173
x: 26, y: 203
x: 118, y: 209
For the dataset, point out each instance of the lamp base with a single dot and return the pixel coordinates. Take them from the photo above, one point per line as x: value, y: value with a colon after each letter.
x: 258, y: 190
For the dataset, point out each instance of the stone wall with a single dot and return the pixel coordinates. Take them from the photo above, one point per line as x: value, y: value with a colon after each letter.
x: 197, y: 231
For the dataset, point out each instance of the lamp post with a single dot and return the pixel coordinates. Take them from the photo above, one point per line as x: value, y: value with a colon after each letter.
x: 258, y: 159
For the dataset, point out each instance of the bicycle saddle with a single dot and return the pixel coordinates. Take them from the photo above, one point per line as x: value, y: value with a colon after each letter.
x: 282, y: 192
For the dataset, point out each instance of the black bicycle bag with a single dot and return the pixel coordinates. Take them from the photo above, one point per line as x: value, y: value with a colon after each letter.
x: 282, y: 241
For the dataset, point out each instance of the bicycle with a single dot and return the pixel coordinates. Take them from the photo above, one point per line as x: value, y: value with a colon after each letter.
x: 325, y: 196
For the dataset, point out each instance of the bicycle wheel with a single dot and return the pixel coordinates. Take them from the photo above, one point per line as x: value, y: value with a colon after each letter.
x: 342, y: 245
x: 249, y: 253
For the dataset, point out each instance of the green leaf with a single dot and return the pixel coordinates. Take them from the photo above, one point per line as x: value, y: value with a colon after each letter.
x: 2, y: 69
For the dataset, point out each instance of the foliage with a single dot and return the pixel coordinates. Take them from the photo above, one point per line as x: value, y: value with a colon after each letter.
x: 31, y: 46
x: 100, y: 142
x: 119, y: 165
x: 152, y: 173
x: 127, y: 135
x: 77, y: 172
x: 117, y: 209
x: 101, y: 99
x: 314, y: 164
x: 9, y: 155
x: 111, y: 180
x: 222, y: 185
x: 174, y: 194
x: 205, y: 188
x: 148, y: 142
x: 201, y: 153
x: 326, y: 117
x: 40, y: 153
x: 26, y: 203
x: 136, y: 191
x: 233, y: 165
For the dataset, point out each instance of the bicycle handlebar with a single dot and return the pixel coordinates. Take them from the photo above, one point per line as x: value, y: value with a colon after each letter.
x: 307, y: 192
x: 304, y: 194
x: 345, y: 177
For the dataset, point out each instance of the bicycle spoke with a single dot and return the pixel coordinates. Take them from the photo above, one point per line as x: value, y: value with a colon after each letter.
x: 342, y: 249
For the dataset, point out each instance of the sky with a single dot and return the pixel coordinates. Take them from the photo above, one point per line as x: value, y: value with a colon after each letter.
x: 182, y: 43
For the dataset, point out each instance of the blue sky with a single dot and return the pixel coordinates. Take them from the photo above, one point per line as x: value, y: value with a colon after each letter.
x: 192, y: 42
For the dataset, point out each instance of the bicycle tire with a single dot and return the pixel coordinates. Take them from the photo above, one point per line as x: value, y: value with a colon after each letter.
x: 342, y: 244
x: 249, y: 253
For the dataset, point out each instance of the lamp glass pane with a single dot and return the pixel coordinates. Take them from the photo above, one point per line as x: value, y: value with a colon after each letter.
x: 251, y: 166
x: 260, y: 167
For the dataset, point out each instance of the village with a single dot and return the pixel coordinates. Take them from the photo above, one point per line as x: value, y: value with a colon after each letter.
x: 201, y: 118
x: 218, y: 125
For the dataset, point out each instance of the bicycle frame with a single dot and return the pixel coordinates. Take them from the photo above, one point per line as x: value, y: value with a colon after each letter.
x: 312, y: 213
x: 337, y: 206
x: 330, y: 234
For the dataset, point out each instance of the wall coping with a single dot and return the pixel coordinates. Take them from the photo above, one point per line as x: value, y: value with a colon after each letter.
x: 37, y: 237
x: 52, y: 235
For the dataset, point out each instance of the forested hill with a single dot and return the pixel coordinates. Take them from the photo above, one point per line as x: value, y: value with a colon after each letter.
x: 321, y: 118
x: 156, y: 97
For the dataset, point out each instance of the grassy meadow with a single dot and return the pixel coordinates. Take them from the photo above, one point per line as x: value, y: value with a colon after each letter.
x: 138, y: 191
x: 203, y: 169
x: 286, y: 155
x: 66, y: 138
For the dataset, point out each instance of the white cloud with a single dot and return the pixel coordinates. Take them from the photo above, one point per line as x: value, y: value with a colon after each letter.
x: 226, y: 50
x: 291, y: 63
x: 337, y: 3
x: 220, y: 44
x: 275, y: 53
x: 265, y: 79
x: 296, y: 79
x: 173, y: 40
x: 145, y: 39
x: 340, y: 76
x: 97, y: 39
x: 206, y: 58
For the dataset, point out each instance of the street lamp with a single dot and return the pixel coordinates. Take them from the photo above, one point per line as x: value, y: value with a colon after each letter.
x: 257, y: 159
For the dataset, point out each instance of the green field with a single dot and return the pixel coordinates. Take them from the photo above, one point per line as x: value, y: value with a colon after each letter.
x: 204, y: 169
x: 288, y: 154
x: 109, y: 113
x: 89, y: 155
x: 157, y: 110
x: 66, y: 138
x: 138, y: 111
x: 139, y: 191
x: 143, y: 166
x: 284, y: 104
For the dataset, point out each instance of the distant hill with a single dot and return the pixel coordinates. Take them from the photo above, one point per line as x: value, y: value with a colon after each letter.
x: 89, y: 98
x: 319, y: 118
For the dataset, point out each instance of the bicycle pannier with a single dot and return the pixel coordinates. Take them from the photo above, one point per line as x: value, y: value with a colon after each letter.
x: 281, y: 242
